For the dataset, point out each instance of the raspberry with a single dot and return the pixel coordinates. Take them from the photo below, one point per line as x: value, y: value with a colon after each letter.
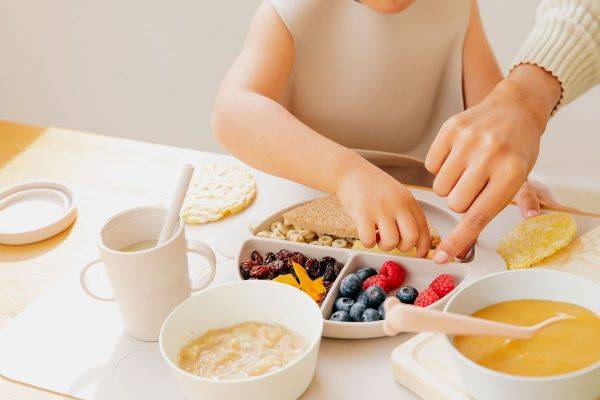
x: 380, y: 280
x: 426, y: 297
x: 394, y: 272
x: 442, y: 285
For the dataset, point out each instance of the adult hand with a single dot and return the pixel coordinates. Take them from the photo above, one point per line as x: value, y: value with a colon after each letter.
x: 482, y: 156
x: 531, y: 196
x: 382, y: 206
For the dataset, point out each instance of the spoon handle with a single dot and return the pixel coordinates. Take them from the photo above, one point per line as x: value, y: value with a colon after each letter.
x: 407, y: 318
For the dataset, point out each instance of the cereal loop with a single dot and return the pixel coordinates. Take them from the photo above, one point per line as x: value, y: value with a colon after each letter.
x: 340, y: 243
x: 325, y: 240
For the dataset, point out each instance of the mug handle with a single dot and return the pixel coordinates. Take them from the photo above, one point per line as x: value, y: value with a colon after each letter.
x: 195, y: 246
x: 84, y: 284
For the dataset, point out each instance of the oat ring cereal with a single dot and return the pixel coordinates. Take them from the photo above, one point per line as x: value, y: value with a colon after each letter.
x: 325, y: 240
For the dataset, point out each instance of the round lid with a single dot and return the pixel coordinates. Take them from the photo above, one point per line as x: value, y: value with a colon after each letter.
x: 35, y: 211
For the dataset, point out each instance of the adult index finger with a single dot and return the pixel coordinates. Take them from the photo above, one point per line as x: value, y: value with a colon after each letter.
x: 490, y: 202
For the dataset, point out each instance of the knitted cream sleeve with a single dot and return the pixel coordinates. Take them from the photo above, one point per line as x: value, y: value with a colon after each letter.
x: 566, y: 42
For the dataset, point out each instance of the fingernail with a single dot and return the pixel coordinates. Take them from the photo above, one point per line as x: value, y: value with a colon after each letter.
x: 532, y: 213
x: 465, y: 253
x: 440, y: 256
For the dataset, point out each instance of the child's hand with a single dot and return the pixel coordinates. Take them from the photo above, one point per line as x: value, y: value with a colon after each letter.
x: 379, y: 203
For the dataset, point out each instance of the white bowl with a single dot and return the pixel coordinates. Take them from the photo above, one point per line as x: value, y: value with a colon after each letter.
x: 234, y: 303
x: 487, y: 384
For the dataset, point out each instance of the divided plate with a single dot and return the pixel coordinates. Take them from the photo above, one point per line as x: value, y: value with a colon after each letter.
x: 419, y: 271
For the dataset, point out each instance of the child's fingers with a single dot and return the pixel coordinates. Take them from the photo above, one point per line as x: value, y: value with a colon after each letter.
x: 366, y: 230
x: 528, y: 201
x: 388, y: 234
x: 409, y: 231
x: 424, y: 242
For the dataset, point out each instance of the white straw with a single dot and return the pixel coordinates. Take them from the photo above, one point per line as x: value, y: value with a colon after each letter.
x: 176, y: 203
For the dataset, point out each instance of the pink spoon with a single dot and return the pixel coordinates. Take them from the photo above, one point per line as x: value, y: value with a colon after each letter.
x: 407, y: 318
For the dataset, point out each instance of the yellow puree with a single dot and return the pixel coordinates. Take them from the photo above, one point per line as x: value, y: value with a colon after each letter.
x: 558, y: 348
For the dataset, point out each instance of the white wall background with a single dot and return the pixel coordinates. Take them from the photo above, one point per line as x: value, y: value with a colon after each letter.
x: 148, y: 70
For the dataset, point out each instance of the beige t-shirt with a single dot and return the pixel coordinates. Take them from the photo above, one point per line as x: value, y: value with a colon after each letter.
x: 376, y: 81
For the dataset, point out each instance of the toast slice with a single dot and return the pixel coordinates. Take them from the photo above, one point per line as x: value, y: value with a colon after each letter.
x: 325, y: 216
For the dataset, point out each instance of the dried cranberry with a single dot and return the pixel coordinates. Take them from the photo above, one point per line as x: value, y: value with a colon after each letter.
x: 256, y: 258
x: 338, y: 266
x: 283, y: 254
x: 245, y: 268
x: 269, y: 257
x: 278, y: 267
x: 325, y: 261
x: 260, y: 272
x: 328, y: 285
x: 329, y: 273
x: 298, y: 258
x: 313, y: 268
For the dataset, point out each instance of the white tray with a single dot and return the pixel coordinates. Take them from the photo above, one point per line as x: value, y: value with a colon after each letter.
x: 419, y: 271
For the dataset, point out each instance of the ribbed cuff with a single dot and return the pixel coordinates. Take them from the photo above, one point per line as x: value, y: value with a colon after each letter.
x: 563, y: 42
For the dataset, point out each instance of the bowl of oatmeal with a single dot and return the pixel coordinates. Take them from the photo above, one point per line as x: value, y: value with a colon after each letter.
x: 249, y: 339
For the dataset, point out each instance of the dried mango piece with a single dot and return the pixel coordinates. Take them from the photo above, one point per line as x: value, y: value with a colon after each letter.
x: 315, y: 296
x: 536, y: 238
x: 302, y: 275
x: 288, y: 279
x: 306, y: 284
x: 318, y: 286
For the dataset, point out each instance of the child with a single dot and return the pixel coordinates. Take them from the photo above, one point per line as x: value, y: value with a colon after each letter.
x: 317, y: 78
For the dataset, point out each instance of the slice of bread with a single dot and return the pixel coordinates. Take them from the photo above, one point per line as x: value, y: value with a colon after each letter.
x: 325, y: 216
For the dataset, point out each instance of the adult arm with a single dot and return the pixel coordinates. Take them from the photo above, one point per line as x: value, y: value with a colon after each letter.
x: 559, y: 61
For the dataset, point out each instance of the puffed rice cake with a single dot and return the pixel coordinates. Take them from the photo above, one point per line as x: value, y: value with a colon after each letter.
x: 536, y: 238
x: 217, y: 191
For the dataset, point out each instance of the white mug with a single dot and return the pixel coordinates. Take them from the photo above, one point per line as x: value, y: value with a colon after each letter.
x: 147, y: 284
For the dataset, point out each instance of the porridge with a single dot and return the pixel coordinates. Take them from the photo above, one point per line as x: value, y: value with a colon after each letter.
x: 242, y: 351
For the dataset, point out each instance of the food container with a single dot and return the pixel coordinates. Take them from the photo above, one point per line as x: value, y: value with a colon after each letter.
x: 487, y: 384
x: 419, y: 272
x: 261, y: 301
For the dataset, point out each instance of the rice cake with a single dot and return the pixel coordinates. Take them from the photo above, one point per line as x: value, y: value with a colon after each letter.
x: 536, y: 238
x: 219, y: 190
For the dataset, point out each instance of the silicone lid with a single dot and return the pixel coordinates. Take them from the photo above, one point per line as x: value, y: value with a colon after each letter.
x: 35, y: 211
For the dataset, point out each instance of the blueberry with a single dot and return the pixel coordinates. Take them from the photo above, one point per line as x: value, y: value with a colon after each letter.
x: 362, y: 297
x: 381, y: 311
x: 370, y: 315
x: 407, y: 294
x: 340, y: 315
x: 357, y: 310
x: 350, y: 285
x: 375, y: 296
x: 344, y: 304
x: 365, y: 273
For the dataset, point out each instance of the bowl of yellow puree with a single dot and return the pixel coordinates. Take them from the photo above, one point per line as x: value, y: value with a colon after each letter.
x: 561, y: 361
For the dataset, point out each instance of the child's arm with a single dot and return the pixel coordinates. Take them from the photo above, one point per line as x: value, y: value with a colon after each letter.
x: 249, y: 121
x: 481, y: 72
